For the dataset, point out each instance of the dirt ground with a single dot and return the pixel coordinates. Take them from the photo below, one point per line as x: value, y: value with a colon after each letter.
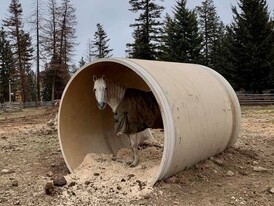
x: 30, y: 157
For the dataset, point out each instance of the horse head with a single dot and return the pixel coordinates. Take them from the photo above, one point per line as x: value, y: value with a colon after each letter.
x: 100, y: 91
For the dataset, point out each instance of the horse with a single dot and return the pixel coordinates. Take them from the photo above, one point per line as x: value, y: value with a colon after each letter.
x: 135, y: 111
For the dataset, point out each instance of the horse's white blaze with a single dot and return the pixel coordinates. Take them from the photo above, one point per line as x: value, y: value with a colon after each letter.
x: 100, y: 92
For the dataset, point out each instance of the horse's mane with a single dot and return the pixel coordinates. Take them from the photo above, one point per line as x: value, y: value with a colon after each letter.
x: 114, y: 89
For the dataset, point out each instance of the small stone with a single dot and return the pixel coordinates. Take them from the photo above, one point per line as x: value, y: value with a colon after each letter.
x: 230, y: 173
x: 87, y: 182
x: 49, y: 188
x: 271, y: 190
x: 259, y: 169
x: 218, y: 162
x: 146, y: 196
x: 141, y: 184
x: 50, y: 174
x: 130, y: 176
x: 4, y: 137
x: 119, y: 187
x: 72, y: 193
x: 7, y: 171
x: 14, y: 183
x: 50, y: 122
x: 206, y: 164
x: 143, y: 167
x: 72, y: 184
x: 96, y: 174
x: 114, y: 158
x: 47, y: 131
x: 123, y: 180
x: 244, y: 173
x: 59, y: 181
x: 17, y: 202
x: 255, y: 162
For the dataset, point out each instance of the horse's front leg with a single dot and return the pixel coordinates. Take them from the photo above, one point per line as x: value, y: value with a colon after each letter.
x: 134, y: 148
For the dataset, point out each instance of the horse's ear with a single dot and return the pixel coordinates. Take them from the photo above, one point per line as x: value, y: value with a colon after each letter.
x: 94, y: 78
x: 104, y: 77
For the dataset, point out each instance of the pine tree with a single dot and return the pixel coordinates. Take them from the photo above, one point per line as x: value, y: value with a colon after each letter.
x: 182, y: 40
x: 168, y: 40
x: 224, y: 64
x: 6, y: 66
x: 195, y: 39
x: 46, y: 81
x: 100, y: 46
x: 147, y: 29
x: 219, y: 53
x: 211, y: 27
x: 251, y: 45
x: 27, y: 57
x: 19, y: 46
x: 82, y: 62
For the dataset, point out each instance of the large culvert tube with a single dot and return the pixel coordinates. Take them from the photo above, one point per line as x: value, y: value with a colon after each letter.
x: 199, y: 108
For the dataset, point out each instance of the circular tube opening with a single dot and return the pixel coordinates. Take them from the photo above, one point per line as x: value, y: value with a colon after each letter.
x: 83, y: 128
x: 200, y: 112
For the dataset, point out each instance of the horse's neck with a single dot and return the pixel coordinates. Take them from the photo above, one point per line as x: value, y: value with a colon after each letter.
x: 115, y: 94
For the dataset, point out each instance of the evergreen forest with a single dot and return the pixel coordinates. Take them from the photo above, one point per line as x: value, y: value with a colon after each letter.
x: 36, y: 66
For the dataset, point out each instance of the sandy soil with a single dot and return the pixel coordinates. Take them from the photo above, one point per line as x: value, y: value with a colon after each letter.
x: 31, y: 159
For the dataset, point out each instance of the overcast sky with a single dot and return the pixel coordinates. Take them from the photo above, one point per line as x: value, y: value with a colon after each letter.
x: 115, y: 18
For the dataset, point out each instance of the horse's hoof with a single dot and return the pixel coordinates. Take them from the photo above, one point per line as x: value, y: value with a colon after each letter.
x: 129, y: 162
x: 133, y: 164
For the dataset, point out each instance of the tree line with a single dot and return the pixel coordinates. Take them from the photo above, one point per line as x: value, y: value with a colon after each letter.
x: 51, y: 44
x: 242, y: 51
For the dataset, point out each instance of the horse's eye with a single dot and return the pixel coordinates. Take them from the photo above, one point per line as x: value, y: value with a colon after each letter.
x: 94, y: 90
x: 106, y: 88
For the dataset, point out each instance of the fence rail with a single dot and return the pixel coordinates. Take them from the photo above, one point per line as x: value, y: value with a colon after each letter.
x: 256, y: 99
x: 17, y: 106
x: 244, y: 99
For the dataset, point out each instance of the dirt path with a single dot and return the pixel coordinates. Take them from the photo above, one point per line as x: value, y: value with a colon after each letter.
x: 242, y: 175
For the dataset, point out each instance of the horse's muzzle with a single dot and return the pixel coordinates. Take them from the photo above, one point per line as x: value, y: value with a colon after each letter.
x: 101, y: 105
